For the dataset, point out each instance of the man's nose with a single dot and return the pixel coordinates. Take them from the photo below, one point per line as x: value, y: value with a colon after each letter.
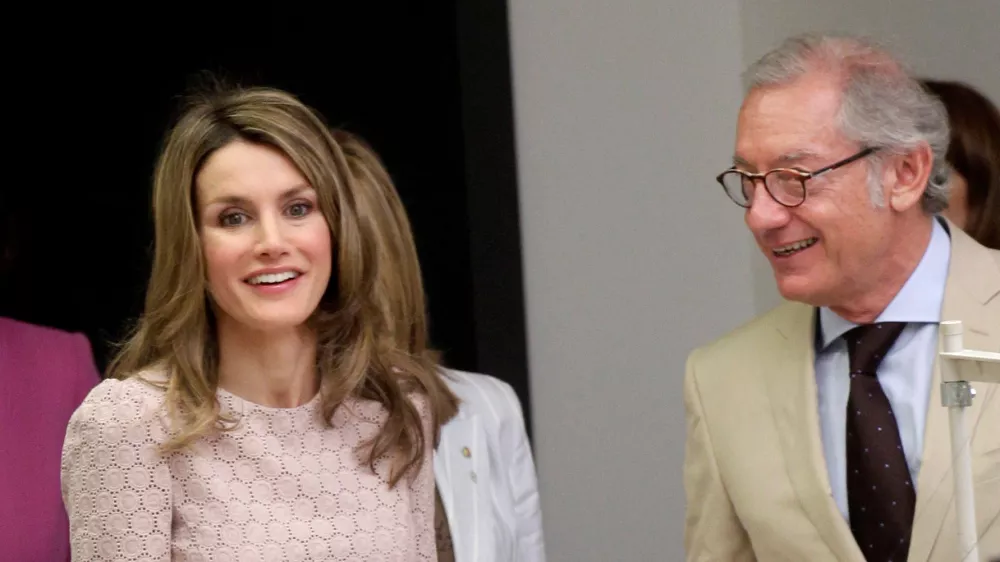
x: 765, y: 213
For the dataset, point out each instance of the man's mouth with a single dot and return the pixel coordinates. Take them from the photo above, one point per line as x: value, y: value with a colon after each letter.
x: 794, y: 248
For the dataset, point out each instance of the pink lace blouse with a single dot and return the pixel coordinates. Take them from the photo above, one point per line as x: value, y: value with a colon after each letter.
x: 282, y: 486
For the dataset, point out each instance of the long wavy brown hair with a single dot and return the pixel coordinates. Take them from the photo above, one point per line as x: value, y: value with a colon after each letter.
x: 371, y: 322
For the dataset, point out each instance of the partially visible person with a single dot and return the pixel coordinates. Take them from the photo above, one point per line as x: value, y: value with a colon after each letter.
x: 974, y: 156
x: 488, y: 507
x: 278, y: 400
x: 45, y: 374
x: 815, y: 431
x: 486, y: 476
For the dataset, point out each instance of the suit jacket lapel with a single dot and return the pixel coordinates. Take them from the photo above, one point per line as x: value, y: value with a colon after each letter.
x: 791, y: 385
x: 973, y: 280
x: 462, y: 472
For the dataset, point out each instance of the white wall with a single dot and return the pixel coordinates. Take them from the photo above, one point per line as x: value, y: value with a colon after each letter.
x: 625, y: 111
x: 633, y: 254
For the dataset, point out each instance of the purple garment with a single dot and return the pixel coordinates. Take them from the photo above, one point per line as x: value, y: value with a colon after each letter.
x: 44, y: 376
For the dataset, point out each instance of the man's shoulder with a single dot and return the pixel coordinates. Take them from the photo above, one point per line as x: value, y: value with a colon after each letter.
x: 995, y: 254
x: 968, y: 256
x: 728, y: 375
x: 762, y: 329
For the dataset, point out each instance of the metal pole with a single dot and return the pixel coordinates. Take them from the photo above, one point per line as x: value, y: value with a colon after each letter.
x: 957, y: 396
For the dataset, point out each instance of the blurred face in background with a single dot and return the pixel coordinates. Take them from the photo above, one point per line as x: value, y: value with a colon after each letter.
x: 958, y: 200
x: 974, y: 157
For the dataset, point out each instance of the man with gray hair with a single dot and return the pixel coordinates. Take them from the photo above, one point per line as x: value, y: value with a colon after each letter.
x: 816, y: 431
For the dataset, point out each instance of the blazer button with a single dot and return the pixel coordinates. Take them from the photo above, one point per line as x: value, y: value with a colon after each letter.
x: 473, y: 475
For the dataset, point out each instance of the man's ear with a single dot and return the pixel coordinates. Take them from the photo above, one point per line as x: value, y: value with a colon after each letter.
x: 907, y: 177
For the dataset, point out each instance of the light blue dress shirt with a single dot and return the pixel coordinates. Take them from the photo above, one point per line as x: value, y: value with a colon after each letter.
x: 905, y: 373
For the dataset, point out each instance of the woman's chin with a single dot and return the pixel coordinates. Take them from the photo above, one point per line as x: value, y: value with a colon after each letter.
x: 273, y: 323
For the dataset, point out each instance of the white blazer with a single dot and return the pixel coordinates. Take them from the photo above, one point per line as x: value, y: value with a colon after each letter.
x: 485, y: 473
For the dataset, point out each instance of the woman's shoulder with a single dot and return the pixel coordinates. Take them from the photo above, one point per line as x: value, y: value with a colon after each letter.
x: 136, y: 400
x: 111, y: 454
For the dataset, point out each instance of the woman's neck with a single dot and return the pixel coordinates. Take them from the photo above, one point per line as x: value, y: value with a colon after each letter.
x: 274, y: 369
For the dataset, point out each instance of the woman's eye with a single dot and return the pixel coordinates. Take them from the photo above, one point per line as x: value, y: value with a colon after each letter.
x: 232, y: 219
x: 299, y: 209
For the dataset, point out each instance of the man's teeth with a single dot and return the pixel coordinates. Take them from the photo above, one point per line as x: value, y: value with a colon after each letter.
x: 271, y: 278
x: 792, y: 248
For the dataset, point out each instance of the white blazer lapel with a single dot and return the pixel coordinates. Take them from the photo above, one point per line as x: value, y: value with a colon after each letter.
x: 462, y: 473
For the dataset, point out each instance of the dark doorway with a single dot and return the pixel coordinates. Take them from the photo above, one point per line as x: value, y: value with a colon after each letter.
x: 426, y: 83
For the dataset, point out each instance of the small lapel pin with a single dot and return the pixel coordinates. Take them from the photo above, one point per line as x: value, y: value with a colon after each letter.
x: 466, y: 452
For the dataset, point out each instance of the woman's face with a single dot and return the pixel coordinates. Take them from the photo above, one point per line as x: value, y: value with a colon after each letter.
x: 958, y: 201
x: 266, y: 244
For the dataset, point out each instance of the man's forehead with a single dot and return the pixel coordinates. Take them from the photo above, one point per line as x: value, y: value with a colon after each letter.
x: 787, y: 124
x: 784, y: 142
x: 779, y: 159
x: 813, y: 97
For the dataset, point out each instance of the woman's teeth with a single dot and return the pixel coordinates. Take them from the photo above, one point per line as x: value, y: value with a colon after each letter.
x: 272, y: 278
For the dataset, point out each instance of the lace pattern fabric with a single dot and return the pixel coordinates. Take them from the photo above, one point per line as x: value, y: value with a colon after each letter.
x: 280, y: 486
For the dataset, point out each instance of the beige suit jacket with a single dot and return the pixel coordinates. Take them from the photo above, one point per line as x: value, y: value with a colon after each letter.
x: 754, y: 473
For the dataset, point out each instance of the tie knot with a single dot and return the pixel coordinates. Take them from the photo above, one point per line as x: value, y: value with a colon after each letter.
x: 868, y: 344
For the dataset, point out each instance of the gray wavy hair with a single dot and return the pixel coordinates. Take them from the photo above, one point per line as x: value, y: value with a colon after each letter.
x: 882, y: 107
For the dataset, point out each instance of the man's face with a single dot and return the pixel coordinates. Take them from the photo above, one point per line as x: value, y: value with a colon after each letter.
x: 827, y: 250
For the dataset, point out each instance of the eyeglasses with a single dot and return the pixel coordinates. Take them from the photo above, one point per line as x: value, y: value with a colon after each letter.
x: 787, y: 186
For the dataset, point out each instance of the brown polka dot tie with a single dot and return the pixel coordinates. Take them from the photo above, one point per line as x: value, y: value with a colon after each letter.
x: 880, y: 495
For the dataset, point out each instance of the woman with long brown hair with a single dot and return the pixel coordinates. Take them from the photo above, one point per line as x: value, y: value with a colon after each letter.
x: 278, y: 399
x: 974, y: 156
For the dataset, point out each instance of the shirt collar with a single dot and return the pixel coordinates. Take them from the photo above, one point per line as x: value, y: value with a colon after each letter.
x: 919, y: 300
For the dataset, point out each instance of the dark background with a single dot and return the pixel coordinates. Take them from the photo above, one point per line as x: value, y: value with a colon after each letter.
x: 426, y: 83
